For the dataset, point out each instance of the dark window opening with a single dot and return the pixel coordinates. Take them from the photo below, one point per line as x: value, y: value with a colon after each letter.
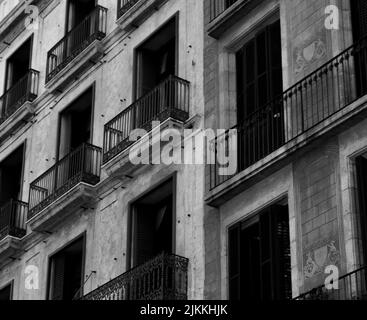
x: 156, y: 59
x: 361, y: 163
x: 18, y: 64
x: 259, y: 257
x: 78, y: 10
x: 359, y: 18
x: 66, y: 272
x: 11, y: 170
x: 153, y: 224
x: 5, y: 293
x: 259, y: 82
x: 359, y: 26
x: 76, y: 124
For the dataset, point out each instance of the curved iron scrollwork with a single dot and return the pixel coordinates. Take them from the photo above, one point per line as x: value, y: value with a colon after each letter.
x: 162, y: 278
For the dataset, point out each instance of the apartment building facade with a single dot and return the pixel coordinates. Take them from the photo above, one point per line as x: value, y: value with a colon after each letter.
x: 77, y: 218
x: 290, y: 77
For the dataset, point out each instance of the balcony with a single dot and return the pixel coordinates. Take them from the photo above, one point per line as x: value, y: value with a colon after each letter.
x: 131, y: 13
x: 13, y: 216
x: 16, y: 103
x: 170, y: 99
x: 224, y: 13
x: 352, y: 286
x: 163, y: 278
x: 65, y: 61
x: 330, y: 96
x: 65, y: 186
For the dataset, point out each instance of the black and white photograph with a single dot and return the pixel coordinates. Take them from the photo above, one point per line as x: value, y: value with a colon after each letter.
x: 183, y: 158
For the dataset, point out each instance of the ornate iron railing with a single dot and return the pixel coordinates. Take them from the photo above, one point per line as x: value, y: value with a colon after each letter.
x: 170, y: 99
x: 81, y: 165
x: 124, y: 6
x: 217, y: 7
x: 92, y: 28
x: 352, y: 286
x: 26, y: 89
x: 311, y: 101
x: 163, y: 278
x: 13, y: 217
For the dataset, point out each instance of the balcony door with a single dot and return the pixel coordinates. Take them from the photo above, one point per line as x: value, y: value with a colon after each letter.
x: 153, y: 225
x: 361, y: 163
x: 11, y: 173
x: 76, y: 124
x: 359, y: 25
x: 17, y: 68
x: 259, y: 81
x: 6, y: 293
x: 156, y: 60
x: 77, y: 12
x: 259, y: 257
x: 66, y: 272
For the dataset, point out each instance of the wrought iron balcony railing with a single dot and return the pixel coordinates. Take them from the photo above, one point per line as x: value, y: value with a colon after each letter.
x: 308, y: 103
x: 81, y: 165
x: 163, y: 278
x: 92, y: 28
x: 217, y: 7
x: 13, y: 217
x: 352, y: 286
x: 170, y: 99
x: 26, y: 89
x: 124, y: 6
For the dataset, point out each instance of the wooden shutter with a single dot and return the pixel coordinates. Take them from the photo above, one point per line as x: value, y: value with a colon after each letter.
x: 234, y: 255
x: 57, y: 277
x: 282, y: 261
x: 259, y: 71
x: 144, y: 234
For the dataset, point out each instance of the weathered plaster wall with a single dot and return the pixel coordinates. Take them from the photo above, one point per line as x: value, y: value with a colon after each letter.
x: 106, y: 225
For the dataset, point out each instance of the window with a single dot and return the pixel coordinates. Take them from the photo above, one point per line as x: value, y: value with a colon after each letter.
x: 259, y: 257
x: 6, y: 293
x: 67, y: 272
x: 11, y: 171
x: 361, y: 163
x: 152, y: 224
x: 156, y: 59
x: 359, y: 25
x: 359, y: 18
x: 76, y: 124
x: 259, y: 81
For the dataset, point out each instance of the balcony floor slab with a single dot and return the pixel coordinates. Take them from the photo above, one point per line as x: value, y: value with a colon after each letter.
x: 83, y: 195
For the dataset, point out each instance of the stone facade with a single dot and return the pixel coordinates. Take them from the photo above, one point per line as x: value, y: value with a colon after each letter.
x: 105, y: 222
x: 317, y: 177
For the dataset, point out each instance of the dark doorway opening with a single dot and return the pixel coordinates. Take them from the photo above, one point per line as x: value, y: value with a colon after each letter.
x: 259, y: 257
x: 67, y: 272
x: 259, y: 82
x: 152, y: 224
x: 76, y: 124
x: 156, y: 59
x: 11, y: 171
x: 359, y: 18
x: 16, y: 79
x: 18, y: 64
x: 78, y: 10
x: 359, y: 26
x: 6, y: 293
x: 361, y: 163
